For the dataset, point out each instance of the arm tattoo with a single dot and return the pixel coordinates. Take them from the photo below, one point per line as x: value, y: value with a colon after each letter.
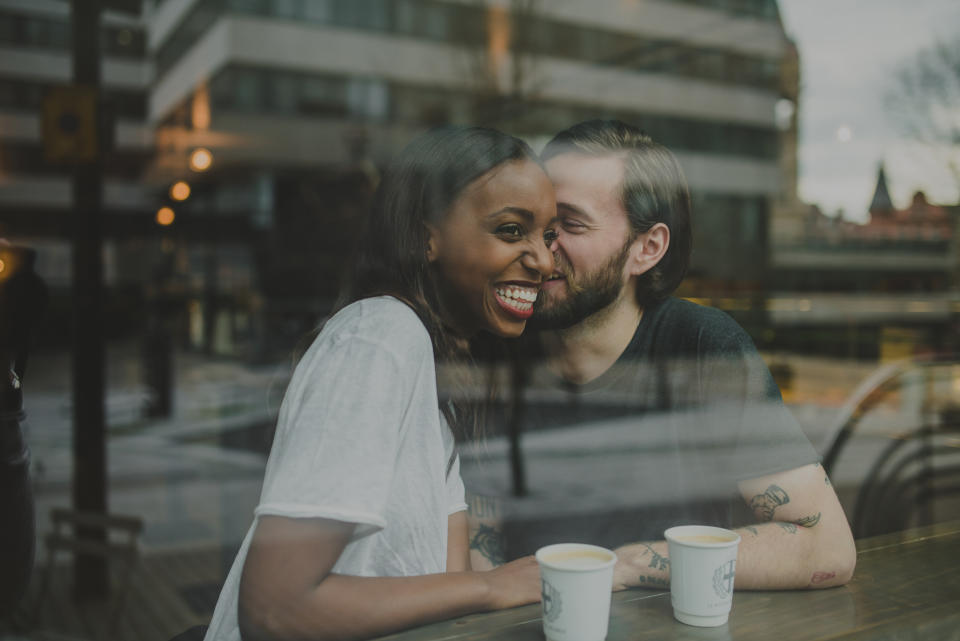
x: 809, y: 521
x: 657, y: 560
x: 820, y: 577
x: 752, y: 530
x: 826, y: 479
x: 764, y: 505
x: 484, y: 507
x: 789, y: 527
x: 489, y: 543
x: 653, y: 580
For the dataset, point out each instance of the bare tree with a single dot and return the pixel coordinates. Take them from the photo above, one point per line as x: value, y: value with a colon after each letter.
x: 924, y: 98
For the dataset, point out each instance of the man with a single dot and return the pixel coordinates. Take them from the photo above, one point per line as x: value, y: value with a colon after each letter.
x: 705, y: 421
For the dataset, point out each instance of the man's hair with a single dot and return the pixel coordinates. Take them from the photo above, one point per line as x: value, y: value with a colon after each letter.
x: 654, y: 190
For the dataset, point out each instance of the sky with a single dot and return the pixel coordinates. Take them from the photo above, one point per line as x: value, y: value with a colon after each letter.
x: 848, y: 50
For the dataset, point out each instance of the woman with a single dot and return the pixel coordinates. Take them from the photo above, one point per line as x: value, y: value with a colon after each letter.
x: 360, y: 528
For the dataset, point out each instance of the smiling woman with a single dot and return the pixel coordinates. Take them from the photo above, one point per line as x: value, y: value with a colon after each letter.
x: 489, y: 249
x: 361, y: 527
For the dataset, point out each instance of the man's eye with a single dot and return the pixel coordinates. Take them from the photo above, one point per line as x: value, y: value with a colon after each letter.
x: 572, y: 225
x: 512, y: 230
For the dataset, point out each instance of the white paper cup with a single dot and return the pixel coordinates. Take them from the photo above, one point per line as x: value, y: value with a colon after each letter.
x: 703, y: 562
x: 577, y: 580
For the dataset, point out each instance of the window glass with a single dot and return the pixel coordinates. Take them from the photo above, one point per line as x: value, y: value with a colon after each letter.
x: 241, y: 168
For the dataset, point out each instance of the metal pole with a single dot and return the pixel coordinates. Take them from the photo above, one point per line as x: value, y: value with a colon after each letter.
x: 89, y: 445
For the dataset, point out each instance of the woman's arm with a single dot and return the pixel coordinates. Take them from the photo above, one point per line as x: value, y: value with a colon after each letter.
x: 458, y: 548
x: 288, y: 592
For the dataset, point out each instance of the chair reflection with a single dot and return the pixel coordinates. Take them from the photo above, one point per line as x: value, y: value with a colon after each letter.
x: 901, y: 438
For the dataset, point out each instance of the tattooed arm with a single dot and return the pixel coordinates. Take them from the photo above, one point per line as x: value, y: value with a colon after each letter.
x: 485, y: 535
x: 802, y: 539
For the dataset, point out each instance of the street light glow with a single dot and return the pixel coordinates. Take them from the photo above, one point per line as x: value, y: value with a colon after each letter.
x: 201, y: 159
x: 165, y: 216
x: 180, y: 190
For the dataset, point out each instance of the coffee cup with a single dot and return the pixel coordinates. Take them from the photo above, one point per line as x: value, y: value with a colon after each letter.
x: 703, y: 561
x: 576, y: 581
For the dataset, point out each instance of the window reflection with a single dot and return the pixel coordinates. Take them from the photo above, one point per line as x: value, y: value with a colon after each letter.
x: 303, y: 103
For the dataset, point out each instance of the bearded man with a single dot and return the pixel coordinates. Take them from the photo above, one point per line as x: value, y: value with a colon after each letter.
x: 698, y: 433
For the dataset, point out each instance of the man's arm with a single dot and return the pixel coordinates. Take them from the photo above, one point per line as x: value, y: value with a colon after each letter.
x: 485, y: 535
x: 802, y: 539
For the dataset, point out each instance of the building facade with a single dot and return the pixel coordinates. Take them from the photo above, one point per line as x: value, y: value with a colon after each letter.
x: 300, y: 103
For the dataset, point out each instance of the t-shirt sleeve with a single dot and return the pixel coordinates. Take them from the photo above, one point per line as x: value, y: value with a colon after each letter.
x: 338, y: 433
x: 456, y: 492
x: 744, y: 405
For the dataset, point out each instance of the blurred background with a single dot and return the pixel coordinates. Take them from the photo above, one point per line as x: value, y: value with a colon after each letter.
x: 181, y: 180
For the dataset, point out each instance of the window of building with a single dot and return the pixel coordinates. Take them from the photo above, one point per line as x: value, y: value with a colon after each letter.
x: 317, y: 10
x: 368, y: 98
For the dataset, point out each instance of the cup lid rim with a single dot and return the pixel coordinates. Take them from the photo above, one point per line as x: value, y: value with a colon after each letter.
x: 672, y: 535
x: 559, y: 547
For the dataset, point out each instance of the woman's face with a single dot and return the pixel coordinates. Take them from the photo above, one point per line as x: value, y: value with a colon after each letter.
x: 490, y: 250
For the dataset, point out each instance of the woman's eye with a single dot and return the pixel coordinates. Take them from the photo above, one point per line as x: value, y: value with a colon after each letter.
x: 550, y: 236
x: 511, y: 230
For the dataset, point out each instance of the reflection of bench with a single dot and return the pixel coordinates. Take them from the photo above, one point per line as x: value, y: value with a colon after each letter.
x: 65, y: 537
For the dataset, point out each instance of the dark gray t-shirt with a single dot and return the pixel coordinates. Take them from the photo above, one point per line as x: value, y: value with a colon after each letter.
x: 664, y: 435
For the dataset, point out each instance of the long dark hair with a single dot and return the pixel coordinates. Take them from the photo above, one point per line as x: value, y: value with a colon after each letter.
x: 419, y: 188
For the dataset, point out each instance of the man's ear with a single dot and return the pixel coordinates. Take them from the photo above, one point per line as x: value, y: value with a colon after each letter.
x: 648, y: 249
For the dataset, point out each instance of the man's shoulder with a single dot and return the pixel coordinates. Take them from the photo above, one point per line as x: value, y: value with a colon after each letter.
x: 679, y: 324
x: 682, y: 315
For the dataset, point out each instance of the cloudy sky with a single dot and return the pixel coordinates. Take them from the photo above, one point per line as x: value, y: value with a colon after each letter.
x: 848, y: 49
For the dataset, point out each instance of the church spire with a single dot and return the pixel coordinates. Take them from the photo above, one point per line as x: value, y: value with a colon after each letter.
x: 881, y: 196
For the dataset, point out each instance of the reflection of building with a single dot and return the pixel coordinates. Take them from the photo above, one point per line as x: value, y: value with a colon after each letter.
x: 35, y: 196
x: 300, y: 103
x: 886, y: 287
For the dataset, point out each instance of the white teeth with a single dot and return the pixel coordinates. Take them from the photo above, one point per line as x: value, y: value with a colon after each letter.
x: 518, y: 293
x: 519, y: 298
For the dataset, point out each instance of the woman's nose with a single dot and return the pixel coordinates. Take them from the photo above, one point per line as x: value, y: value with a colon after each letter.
x: 540, y: 258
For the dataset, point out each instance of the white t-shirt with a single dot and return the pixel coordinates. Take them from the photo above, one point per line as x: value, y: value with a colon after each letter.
x: 361, y: 439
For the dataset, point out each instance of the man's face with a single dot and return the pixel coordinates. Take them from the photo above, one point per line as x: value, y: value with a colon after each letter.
x: 593, y: 242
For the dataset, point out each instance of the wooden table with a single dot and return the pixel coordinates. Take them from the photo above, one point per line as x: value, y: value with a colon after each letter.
x: 906, y: 586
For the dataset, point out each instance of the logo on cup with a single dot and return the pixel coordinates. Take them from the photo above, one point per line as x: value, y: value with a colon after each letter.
x: 552, y: 604
x: 723, y: 579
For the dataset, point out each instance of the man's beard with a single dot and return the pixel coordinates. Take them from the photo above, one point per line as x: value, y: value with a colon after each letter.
x: 596, y: 291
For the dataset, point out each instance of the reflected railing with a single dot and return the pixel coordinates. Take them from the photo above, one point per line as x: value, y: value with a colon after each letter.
x: 901, y: 431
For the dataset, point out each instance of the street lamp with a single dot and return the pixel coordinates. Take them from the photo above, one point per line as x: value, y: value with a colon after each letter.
x: 180, y: 190
x: 201, y: 159
x: 165, y: 216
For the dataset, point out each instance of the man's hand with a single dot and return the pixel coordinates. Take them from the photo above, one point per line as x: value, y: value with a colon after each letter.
x: 643, y: 565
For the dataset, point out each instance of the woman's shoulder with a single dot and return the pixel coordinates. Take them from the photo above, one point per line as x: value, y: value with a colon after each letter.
x: 382, y: 320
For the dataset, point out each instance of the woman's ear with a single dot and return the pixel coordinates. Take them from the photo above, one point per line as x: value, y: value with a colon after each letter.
x: 648, y: 249
x: 432, y: 243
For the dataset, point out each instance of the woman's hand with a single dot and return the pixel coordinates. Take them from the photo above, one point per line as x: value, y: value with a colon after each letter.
x: 514, y: 584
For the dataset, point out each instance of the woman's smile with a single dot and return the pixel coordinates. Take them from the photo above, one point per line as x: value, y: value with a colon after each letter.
x: 517, y: 298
